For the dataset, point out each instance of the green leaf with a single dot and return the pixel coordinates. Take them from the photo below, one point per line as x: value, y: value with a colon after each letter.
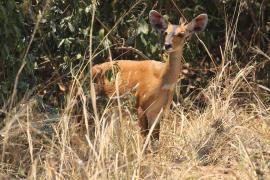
x: 143, y: 27
x: 78, y: 56
x: 153, y: 48
x: 71, y: 27
x: 61, y: 43
x: 143, y: 40
x: 101, y: 33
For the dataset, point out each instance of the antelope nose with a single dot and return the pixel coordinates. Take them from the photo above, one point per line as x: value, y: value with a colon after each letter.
x: 167, y: 46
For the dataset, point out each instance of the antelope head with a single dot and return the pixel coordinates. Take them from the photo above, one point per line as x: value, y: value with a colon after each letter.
x: 175, y: 35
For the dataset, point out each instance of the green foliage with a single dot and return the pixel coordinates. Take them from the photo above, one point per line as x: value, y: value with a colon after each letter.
x: 62, y: 40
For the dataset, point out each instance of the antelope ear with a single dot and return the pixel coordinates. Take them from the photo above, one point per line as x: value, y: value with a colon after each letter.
x: 198, y: 24
x: 157, y: 21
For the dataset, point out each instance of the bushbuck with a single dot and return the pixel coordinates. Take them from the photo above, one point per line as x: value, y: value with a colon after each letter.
x: 152, y: 82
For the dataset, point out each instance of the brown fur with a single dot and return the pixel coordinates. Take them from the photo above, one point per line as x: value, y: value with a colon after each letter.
x: 152, y: 82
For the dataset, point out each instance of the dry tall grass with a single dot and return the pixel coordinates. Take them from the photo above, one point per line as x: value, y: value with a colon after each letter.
x: 228, y: 139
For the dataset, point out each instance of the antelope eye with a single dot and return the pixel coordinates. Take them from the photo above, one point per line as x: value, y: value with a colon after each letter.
x: 165, y: 33
x: 180, y: 35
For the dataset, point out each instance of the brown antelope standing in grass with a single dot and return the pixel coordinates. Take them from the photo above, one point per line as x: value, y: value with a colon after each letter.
x: 152, y: 82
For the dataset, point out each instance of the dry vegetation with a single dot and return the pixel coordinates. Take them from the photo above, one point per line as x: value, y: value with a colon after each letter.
x: 228, y: 138
x: 225, y: 140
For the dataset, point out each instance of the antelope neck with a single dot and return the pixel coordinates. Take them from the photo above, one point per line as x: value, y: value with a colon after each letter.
x: 172, y: 67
